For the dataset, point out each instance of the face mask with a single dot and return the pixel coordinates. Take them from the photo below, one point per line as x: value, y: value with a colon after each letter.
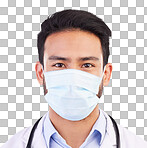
x: 72, y: 93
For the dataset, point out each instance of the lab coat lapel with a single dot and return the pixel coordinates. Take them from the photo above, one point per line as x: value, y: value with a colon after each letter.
x: 107, y: 144
x: 110, y: 137
x: 39, y: 142
x: 38, y: 139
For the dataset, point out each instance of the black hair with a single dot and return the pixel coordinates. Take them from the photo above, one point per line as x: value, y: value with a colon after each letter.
x: 70, y: 19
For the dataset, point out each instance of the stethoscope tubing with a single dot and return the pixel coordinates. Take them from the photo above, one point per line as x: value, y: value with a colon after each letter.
x: 116, y: 132
x: 32, y: 133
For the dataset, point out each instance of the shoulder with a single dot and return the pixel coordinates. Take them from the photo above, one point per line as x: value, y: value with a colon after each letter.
x: 20, y: 139
x: 17, y: 140
x: 129, y: 139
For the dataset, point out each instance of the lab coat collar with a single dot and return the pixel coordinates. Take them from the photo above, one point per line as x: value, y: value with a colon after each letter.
x: 110, y: 131
x: 38, y: 139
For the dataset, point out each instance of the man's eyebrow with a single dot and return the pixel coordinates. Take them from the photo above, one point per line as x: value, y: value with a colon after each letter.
x: 58, y: 58
x: 79, y: 59
x: 89, y: 58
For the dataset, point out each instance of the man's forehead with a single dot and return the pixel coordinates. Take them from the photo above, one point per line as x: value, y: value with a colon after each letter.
x: 80, y: 48
x: 71, y: 35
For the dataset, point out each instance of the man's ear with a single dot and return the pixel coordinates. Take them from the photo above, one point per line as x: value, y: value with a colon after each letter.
x: 107, y: 74
x: 39, y: 72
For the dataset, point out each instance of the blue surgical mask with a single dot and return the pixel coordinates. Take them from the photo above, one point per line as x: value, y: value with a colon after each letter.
x: 72, y: 93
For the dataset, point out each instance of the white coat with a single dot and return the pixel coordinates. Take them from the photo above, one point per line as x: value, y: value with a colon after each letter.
x: 127, y: 138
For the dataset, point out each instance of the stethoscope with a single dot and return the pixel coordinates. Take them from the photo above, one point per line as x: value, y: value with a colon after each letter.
x: 114, y: 125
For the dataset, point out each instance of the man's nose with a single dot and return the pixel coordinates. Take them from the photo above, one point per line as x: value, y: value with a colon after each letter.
x: 74, y: 66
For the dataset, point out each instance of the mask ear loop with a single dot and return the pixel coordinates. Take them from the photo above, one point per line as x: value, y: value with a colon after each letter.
x: 102, y: 78
x: 42, y: 69
x: 44, y: 77
x: 103, y: 71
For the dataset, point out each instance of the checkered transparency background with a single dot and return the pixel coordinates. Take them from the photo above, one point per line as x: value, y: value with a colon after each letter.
x: 21, y: 97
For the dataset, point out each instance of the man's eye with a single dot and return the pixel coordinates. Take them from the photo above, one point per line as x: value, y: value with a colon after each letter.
x: 59, y: 65
x: 88, y: 65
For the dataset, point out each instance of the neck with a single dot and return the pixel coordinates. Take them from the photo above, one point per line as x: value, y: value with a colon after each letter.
x: 74, y: 132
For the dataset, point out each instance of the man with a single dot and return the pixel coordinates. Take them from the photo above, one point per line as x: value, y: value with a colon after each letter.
x: 73, y: 67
